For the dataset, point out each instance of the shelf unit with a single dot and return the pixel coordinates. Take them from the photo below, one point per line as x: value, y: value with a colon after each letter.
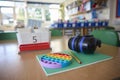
x: 83, y: 30
x: 77, y: 9
x: 80, y: 7
x: 79, y: 13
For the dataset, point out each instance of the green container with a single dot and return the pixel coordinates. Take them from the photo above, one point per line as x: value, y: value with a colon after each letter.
x: 8, y: 36
x: 56, y: 32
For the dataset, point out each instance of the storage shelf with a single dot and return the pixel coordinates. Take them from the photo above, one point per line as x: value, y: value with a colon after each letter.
x: 83, y: 30
x: 79, y: 13
x: 98, y: 8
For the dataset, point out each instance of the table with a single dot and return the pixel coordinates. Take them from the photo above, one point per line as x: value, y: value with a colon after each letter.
x: 25, y: 66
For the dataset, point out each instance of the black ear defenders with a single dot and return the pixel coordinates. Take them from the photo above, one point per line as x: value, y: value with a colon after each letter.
x: 86, y: 44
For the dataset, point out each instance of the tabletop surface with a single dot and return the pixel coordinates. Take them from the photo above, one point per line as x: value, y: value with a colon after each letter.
x: 24, y: 66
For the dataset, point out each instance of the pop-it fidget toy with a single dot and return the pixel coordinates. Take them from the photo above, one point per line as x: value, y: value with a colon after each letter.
x: 55, y: 60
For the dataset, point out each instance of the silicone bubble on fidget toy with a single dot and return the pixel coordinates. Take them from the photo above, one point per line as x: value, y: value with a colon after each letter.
x: 55, y: 60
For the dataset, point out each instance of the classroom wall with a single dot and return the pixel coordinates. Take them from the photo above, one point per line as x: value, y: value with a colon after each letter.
x: 107, y: 13
x: 115, y: 22
x: 102, y: 13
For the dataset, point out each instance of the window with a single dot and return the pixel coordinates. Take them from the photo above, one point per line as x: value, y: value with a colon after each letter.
x: 20, y: 11
x: 47, y: 15
x: 12, y: 12
x: 7, y: 16
x: 6, y: 9
x: 44, y: 12
x: 34, y: 13
x: 7, y: 3
x: 54, y: 12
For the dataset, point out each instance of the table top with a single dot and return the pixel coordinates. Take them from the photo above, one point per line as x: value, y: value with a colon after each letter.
x: 24, y: 66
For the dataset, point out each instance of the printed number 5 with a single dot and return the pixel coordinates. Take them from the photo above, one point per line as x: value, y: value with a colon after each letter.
x: 34, y: 39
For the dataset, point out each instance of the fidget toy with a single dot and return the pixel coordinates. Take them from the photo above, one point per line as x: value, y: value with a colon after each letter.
x: 55, y: 60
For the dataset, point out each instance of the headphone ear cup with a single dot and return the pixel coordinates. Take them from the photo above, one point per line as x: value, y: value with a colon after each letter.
x: 80, y: 44
x: 83, y: 44
x: 91, y: 45
x: 70, y: 43
x: 75, y: 44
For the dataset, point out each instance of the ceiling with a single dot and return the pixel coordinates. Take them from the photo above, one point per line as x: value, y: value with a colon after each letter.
x: 44, y: 1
